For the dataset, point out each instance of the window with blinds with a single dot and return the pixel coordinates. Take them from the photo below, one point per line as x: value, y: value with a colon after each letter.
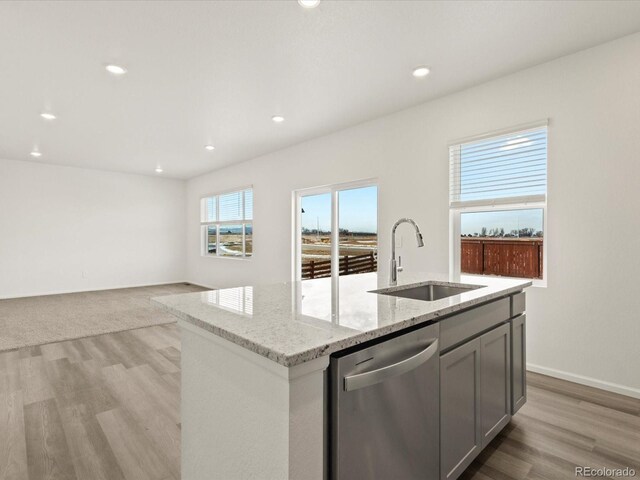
x: 498, y: 203
x: 227, y: 224
x: 505, y: 169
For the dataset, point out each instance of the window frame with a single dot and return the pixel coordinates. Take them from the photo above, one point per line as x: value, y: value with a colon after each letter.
x: 521, y: 203
x: 334, y: 190
x: 243, y: 222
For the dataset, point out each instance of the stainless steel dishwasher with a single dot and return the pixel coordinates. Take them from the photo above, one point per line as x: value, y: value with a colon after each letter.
x: 384, y: 409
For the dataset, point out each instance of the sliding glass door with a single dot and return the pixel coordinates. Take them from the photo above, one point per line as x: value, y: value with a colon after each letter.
x: 336, y: 231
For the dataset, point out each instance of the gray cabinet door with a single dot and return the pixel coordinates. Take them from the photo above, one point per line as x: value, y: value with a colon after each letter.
x: 518, y: 363
x: 459, y: 409
x: 495, y: 378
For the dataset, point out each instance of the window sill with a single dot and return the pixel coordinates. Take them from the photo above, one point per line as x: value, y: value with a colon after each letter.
x: 229, y: 257
x: 538, y: 283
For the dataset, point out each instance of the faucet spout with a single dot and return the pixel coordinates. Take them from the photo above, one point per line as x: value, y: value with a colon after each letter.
x: 395, y: 267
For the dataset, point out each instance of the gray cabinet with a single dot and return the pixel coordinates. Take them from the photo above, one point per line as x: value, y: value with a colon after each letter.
x: 475, y: 398
x: 518, y: 363
x: 495, y: 381
x: 460, y: 433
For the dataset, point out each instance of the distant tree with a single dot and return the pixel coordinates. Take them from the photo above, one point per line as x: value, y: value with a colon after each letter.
x: 502, y: 232
x: 483, y: 232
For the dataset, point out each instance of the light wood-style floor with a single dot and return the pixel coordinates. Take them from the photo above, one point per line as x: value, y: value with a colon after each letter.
x: 107, y: 407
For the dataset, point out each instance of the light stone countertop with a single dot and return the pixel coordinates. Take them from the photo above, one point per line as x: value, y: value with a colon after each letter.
x: 295, y: 322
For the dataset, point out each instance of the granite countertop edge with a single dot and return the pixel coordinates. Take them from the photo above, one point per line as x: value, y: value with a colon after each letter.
x: 297, y: 358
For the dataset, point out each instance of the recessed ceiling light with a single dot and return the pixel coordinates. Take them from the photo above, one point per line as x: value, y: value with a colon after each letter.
x: 421, y: 72
x: 36, y: 154
x: 48, y: 116
x: 116, y: 69
x: 278, y: 118
x: 209, y: 147
x: 159, y: 170
x: 309, y: 3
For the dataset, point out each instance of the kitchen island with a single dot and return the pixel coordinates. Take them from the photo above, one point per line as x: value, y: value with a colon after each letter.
x: 255, y: 360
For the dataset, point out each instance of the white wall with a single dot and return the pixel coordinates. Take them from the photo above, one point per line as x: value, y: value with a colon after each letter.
x: 586, y: 323
x: 69, y: 229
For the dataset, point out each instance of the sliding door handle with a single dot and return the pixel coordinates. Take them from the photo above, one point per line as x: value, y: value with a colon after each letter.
x: 365, y: 379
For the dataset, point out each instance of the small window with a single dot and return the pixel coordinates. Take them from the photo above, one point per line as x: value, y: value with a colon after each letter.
x: 498, y: 187
x: 227, y: 224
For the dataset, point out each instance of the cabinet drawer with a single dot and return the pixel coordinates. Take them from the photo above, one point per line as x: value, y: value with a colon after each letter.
x: 458, y: 328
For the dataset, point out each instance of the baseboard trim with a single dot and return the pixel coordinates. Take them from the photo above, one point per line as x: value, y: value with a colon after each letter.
x: 588, y: 381
x: 63, y: 292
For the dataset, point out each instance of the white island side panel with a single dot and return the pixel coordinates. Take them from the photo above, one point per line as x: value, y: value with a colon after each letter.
x: 244, y: 416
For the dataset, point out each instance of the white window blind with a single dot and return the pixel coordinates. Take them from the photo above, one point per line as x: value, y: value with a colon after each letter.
x: 209, y: 210
x: 228, y: 207
x: 248, y: 204
x: 510, y: 168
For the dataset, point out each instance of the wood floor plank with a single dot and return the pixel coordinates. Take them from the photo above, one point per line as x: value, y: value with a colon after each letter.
x: 10, y: 371
x: 167, y: 396
x: 544, y: 464
x: 66, y: 378
x: 35, y: 384
x: 99, y: 352
x: 137, y: 458
x: 507, y: 464
x: 173, y: 379
x: 30, y: 352
x: 172, y: 354
x: 13, y: 449
x: 47, y: 450
x: 147, y: 412
x: 53, y: 351
x: 148, y: 355
x: 90, y: 451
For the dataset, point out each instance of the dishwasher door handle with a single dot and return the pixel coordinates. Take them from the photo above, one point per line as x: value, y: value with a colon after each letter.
x: 360, y: 380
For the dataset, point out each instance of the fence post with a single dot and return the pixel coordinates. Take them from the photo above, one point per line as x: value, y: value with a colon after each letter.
x: 346, y: 265
x: 311, y: 270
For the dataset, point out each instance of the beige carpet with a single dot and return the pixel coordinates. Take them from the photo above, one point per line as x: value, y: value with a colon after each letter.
x: 32, y: 321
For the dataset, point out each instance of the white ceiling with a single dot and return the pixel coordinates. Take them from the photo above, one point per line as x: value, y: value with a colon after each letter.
x: 215, y: 72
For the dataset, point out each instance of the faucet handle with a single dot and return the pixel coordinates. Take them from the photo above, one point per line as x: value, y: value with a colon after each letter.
x: 399, y: 263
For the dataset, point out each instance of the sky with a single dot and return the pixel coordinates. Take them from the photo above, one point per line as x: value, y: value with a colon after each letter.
x: 472, y: 222
x: 358, y: 210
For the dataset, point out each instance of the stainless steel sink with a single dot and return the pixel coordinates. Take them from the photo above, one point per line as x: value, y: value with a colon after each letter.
x: 427, y: 291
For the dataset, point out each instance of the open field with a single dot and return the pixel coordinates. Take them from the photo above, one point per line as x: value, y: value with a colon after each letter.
x: 320, y: 245
x: 358, y: 254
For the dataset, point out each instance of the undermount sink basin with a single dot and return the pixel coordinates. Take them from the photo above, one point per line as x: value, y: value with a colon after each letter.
x: 427, y: 292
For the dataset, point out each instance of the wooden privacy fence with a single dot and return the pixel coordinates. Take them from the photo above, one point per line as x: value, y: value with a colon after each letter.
x: 505, y: 257
x: 348, y: 265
